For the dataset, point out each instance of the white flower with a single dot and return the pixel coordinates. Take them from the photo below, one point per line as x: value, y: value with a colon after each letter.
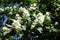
x: 26, y: 15
x: 32, y: 26
x: 52, y: 27
x: 34, y: 15
x: 48, y: 27
x: 48, y: 18
x: 10, y: 7
x: 47, y: 15
x: 40, y: 14
x: 56, y: 23
x: 10, y: 13
x: 40, y: 29
x: 6, y: 30
x: 20, y: 35
x: 32, y: 8
x: 18, y: 17
x: 34, y: 4
x: 6, y: 8
x: 57, y: 8
x: 54, y: 30
x: 26, y: 11
x: 1, y: 9
x: 36, y: 20
x: 14, y: 6
x: 40, y: 18
x: 23, y: 27
x: 22, y: 9
x: 16, y: 24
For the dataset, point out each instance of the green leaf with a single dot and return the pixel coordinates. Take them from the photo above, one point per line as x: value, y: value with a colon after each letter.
x: 58, y: 1
x: 47, y: 23
x: 32, y: 0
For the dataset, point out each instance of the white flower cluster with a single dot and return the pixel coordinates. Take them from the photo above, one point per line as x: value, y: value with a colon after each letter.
x: 33, y: 6
x: 25, y: 13
x: 18, y: 23
x: 40, y: 18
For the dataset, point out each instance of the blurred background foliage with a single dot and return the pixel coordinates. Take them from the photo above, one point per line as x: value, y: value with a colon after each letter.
x: 52, y: 6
